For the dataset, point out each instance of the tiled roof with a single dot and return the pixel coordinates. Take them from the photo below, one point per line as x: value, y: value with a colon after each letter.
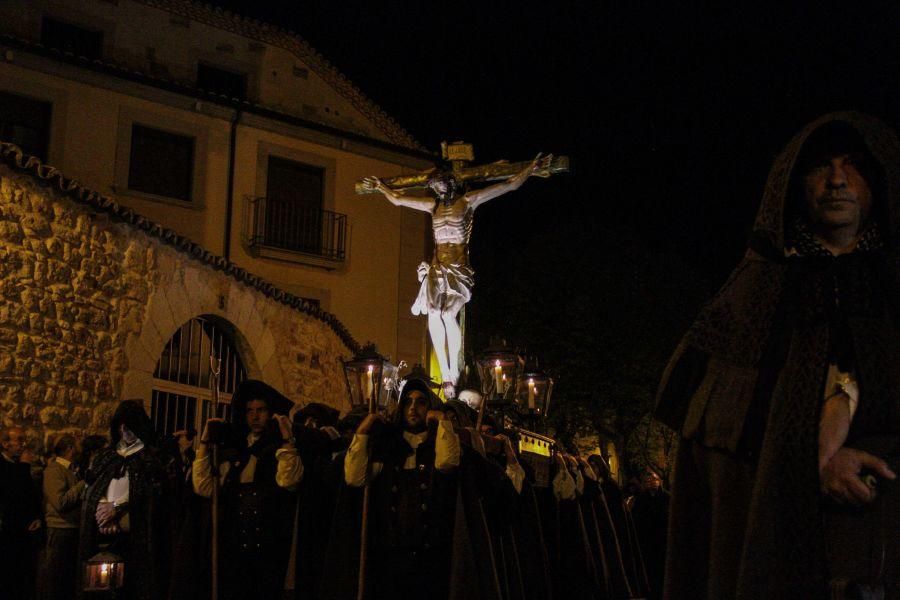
x: 124, y: 71
x: 290, y: 41
x: 12, y: 156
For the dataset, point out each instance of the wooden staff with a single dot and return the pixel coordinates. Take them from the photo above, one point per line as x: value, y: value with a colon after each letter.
x: 215, y: 368
x: 364, y: 527
x: 481, y: 407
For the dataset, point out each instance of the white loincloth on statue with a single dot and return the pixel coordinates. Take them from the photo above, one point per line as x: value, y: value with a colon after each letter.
x: 443, y: 281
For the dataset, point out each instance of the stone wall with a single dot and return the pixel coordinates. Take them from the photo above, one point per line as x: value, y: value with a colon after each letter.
x: 87, y: 303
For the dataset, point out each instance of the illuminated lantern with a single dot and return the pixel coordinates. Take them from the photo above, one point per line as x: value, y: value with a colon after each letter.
x: 371, y: 379
x: 499, y: 369
x: 104, y: 572
x: 533, y: 391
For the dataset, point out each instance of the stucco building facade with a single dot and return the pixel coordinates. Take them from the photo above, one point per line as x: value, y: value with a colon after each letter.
x: 202, y: 194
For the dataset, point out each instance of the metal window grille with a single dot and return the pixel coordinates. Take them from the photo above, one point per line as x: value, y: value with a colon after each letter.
x: 182, y: 395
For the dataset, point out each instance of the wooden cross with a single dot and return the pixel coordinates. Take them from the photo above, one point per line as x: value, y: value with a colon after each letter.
x: 460, y: 155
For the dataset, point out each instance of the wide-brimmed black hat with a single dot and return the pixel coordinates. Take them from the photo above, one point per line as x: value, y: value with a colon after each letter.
x: 409, y: 384
x: 253, y: 389
x: 323, y: 414
x: 465, y: 415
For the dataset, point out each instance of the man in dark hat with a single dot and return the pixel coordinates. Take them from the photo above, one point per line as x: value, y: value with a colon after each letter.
x: 410, y: 464
x: 785, y: 389
x: 128, y: 505
x: 318, y: 441
x: 259, y: 469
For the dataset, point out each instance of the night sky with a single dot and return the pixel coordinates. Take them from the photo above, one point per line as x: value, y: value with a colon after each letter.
x: 671, y: 116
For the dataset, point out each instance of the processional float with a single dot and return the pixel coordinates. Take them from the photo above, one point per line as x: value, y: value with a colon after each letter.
x: 443, y: 192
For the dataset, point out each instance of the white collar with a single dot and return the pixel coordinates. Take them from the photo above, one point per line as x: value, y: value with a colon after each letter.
x: 123, y: 449
x: 415, y: 439
x: 62, y: 461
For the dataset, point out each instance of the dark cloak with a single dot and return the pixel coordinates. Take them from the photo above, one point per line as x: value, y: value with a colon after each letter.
x: 267, y: 565
x: 411, y: 518
x: 317, y: 496
x: 747, y: 380
x: 192, y: 576
x: 152, y: 485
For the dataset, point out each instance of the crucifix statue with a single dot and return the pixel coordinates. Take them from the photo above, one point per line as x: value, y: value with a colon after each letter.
x: 446, y: 283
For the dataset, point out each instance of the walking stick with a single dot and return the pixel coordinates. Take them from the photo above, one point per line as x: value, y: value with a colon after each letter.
x: 364, y: 526
x: 215, y: 367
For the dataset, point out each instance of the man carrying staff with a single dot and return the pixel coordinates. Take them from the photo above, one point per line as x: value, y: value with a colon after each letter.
x: 412, y: 497
x: 259, y: 469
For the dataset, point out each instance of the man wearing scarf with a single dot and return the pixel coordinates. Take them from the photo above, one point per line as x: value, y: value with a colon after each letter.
x: 410, y: 463
x: 129, y: 502
x: 785, y: 389
x: 259, y: 470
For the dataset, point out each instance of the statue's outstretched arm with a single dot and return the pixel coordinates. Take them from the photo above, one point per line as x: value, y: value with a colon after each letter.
x: 413, y: 202
x: 479, y: 197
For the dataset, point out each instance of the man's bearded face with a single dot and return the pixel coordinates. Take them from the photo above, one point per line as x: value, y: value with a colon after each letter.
x: 257, y: 416
x: 837, y: 195
x: 415, y: 412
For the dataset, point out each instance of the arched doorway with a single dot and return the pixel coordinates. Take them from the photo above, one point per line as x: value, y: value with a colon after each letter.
x: 182, y: 394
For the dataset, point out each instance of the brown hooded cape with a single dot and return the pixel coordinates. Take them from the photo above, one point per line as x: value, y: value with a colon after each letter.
x: 747, y: 380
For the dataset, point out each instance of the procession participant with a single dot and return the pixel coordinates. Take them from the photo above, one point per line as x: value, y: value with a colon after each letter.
x: 259, y: 469
x: 318, y: 441
x: 20, y: 520
x: 410, y: 464
x: 650, y: 512
x: 786, y: 388
x: 578, y: 575
x: 611, y: 518
x: 62, y: 514
x: 128, y: 506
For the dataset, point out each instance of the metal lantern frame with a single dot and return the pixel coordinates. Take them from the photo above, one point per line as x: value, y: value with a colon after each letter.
x: 371, y: 379
x: 499, y: 369
x: 104, y: 572
x: 534, y: 391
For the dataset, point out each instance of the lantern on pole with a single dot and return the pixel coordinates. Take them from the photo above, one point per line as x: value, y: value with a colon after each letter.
x: 534, y: 390
x: 371, y: 379
x: 104, y: 575
x: 499, y: 369
x: 372, y: 383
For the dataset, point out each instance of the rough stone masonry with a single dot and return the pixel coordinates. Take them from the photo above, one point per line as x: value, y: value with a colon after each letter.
x: 87, y: 303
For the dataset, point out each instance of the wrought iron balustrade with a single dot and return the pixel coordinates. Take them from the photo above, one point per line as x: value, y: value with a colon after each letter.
x: 288, y: 225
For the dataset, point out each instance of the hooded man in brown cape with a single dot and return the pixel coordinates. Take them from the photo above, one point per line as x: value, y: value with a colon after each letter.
x: 786, y: 389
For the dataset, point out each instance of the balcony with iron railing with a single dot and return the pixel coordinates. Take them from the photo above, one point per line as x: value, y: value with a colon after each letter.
x: 290, y: 231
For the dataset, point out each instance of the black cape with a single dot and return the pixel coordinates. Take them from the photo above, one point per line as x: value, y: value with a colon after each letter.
x: 748, y: 376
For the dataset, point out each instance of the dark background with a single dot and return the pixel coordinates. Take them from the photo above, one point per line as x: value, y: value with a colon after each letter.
x: 671, y: 117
